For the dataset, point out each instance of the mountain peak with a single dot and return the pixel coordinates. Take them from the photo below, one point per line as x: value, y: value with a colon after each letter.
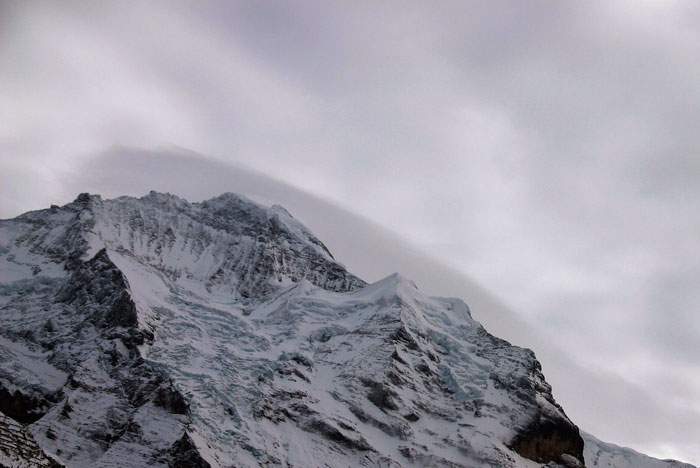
x: 157, y: 332
x: 85, y: 197
x: 394, y: 286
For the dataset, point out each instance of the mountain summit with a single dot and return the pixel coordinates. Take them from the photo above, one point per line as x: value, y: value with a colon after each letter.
x: 158, y: 332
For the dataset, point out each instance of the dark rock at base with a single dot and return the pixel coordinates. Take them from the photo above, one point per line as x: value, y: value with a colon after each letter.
x: 19, y: 446
x: 185, y: 454
x: 547, y: 440
x: 20, y: 407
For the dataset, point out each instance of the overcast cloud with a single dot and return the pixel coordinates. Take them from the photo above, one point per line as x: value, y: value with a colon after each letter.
x: 548, y: 150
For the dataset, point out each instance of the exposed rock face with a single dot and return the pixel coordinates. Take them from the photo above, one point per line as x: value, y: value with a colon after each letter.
x: 18, y: 449
x: 100, y: 287
x: 547, y: 436
x: 546, y: 440
x: 23, y: 408
x: 157, y: 332
x: 185, y: 455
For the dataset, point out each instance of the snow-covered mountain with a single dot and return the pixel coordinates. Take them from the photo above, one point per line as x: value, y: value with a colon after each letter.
x: 157, y: 332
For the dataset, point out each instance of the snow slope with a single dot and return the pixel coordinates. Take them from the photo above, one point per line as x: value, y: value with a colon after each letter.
x: 603, y: 455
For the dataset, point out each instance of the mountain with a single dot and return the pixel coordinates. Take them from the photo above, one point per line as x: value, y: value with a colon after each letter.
x: 158, y: 332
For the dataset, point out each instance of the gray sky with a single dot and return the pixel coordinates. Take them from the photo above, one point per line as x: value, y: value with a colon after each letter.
x: 548, y: 150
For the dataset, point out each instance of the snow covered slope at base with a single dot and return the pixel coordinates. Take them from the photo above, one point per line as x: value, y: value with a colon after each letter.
x: 603, y: 455
x: 156, y: 332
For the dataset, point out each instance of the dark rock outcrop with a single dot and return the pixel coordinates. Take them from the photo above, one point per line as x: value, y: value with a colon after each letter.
x: 547, y: 440
x: 100, y: 287
x: 185, y: 454
x: 18, y: 446
x: 170, y: 399
x: 22, y: 407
